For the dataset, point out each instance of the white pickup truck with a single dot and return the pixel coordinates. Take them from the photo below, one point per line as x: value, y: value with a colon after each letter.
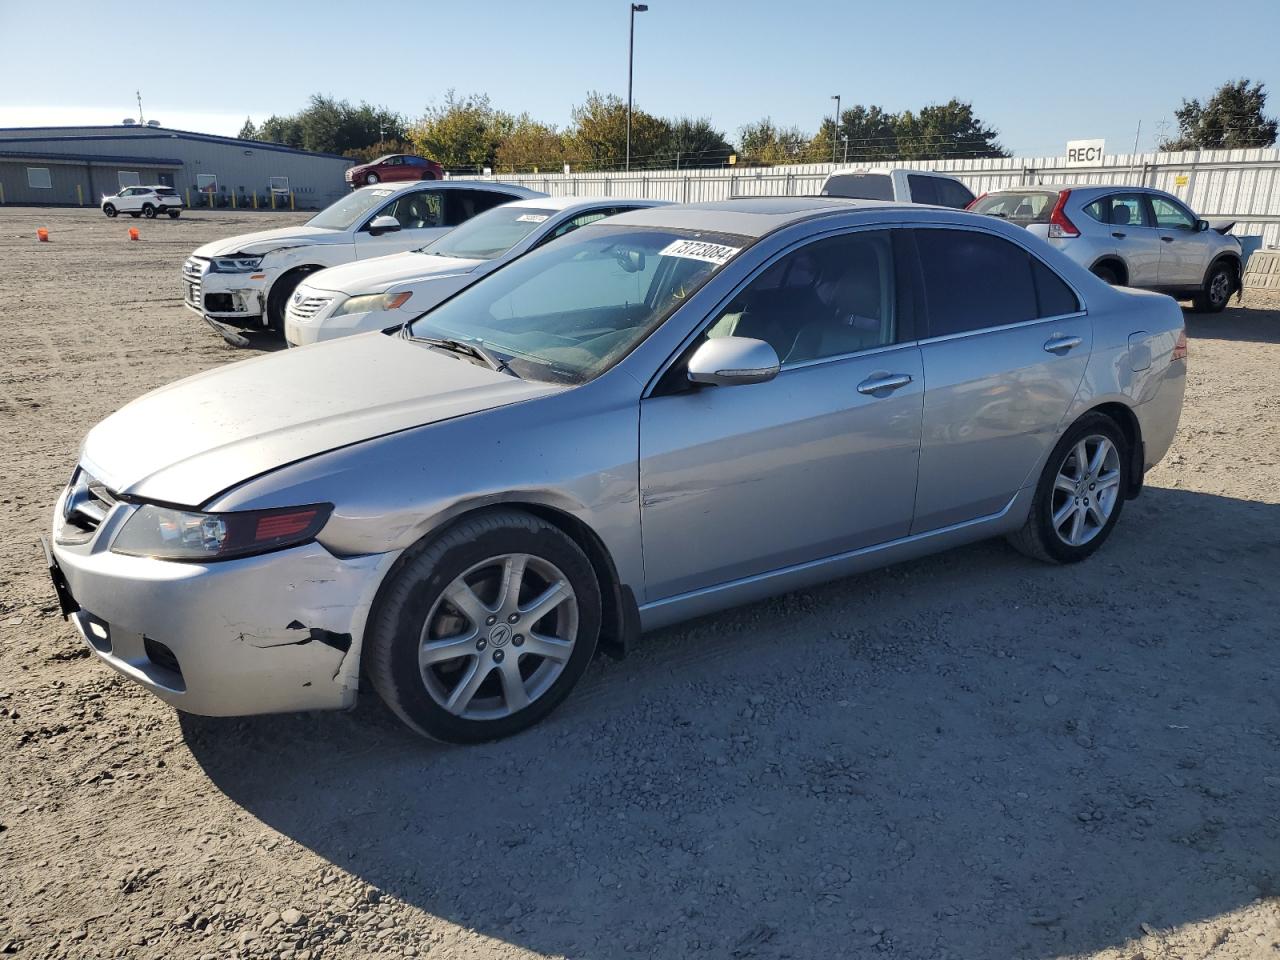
x: 897, y: 183
x: 244, y: 282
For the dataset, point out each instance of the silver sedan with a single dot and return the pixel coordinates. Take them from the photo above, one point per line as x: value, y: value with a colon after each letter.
x: 654, y: 417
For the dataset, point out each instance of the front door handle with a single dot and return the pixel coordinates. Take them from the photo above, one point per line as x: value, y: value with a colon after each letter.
x: 1118, y: 235
x: 1061, y: 344
x: 885, y: 382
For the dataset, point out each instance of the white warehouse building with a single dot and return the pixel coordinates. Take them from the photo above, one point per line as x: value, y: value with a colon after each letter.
x: 79, y: 165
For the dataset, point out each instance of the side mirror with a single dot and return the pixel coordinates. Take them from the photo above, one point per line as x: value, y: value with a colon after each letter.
x: 1202, y: 225
x: 732, y: 361
x: 383, y: 224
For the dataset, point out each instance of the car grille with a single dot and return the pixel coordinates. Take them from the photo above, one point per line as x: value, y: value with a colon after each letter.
x: 87, y: 501
x: 307, y: 307
x: 193, y: 272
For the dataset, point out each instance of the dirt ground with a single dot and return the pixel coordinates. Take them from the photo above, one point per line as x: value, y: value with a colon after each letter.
x: 971, y: 756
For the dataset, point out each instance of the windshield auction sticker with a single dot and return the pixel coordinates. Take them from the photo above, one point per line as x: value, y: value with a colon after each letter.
x: 716, y: 253
x: 532, y: 218
x: 382, y: 193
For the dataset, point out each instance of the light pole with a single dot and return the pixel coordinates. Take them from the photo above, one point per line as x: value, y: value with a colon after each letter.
x: 631, y: 56
x: 835, y: 132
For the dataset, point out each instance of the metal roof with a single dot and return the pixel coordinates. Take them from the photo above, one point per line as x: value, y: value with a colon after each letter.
x: 113, y: 132
x: 99, y: 159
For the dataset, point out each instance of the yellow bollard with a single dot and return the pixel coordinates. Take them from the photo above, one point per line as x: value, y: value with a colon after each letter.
x: 290, y: 199
x: 233, y: 199
x: 188, y: 198
x: 273, y: 199
x: 1, y: 193
x: 255, y: 198
x: 79, y: 195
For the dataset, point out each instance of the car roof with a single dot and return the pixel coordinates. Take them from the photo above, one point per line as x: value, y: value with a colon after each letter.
x: 409, y: 185
x: 1052, y: 187
x: 755, y: 216
x: 570, y: 203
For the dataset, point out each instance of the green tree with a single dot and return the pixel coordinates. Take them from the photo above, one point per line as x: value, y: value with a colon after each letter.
x: 945, y: 130
x: 1233, y: 117
x: 597, y: 138
x: 333, y: 126
x: 763, y: 143
x: 285, y: 130
x: 696, y: 143
x: 462, y: 133
x: 530, y: 145
x: 248, y: 131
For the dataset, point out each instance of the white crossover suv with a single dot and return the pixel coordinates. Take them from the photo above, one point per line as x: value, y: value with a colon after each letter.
x: 244, y: 282
x: 144, y: 202
x: 388, y: 291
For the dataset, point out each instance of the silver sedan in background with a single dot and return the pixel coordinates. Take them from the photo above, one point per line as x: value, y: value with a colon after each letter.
x: 652, y: 418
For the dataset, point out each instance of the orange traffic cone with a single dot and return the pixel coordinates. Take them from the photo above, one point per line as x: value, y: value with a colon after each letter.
x: 42, y: 233
x: 133, y: 233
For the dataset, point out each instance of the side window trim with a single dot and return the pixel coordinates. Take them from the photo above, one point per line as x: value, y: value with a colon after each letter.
x: 924, y: 296
x: 907, y: 321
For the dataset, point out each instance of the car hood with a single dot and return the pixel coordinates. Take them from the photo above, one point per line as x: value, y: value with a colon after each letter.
x: 376, y: 275
x: 267, y: 240
x: 193, y: 439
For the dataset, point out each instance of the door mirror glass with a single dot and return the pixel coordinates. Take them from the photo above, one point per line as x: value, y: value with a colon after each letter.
x: 732, y: 361
x: 1202, y: 225
x: 383, y: 224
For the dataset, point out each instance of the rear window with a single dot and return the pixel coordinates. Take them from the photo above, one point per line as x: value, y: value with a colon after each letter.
x: 166, y: 192
x: 859, y: 186
x: 1022, y: 206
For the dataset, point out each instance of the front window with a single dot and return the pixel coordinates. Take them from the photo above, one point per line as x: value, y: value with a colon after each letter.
x: 568, y: 311
x: 1171, y: 216
x: 350, y: 210
x: 489, y: 235
x: 1021, y: 207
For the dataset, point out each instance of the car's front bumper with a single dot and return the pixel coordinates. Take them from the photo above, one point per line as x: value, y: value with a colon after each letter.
x: 235, y: 299
x: 266, y: 634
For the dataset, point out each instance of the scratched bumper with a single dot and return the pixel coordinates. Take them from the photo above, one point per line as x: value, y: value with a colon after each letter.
x: 267, y: 634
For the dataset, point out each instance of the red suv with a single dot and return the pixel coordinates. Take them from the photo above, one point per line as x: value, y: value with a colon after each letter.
x: 393, y: 168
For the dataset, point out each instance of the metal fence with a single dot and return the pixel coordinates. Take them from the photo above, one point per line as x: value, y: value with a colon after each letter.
x: 1242, y: 185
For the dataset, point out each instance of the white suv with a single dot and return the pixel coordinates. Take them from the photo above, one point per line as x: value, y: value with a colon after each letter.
x: 144, y: 202
x: 897, y: 183
x: 245, y: 282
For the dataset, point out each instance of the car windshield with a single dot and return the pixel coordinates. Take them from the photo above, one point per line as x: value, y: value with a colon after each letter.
x: 348, y: 211
x: 1019, y: 206
x: 490, y: 234
x: 859, y: 186
x: 570, y: 310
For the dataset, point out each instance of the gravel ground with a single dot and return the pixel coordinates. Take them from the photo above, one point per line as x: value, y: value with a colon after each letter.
x: 971, y: 756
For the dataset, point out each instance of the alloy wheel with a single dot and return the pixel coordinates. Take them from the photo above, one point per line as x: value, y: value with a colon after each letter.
x: 498, y: 637
x: 1085, y: 490
x: 1219, y: 287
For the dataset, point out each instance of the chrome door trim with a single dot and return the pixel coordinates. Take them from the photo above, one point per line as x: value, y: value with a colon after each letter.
x: 1004, y: 326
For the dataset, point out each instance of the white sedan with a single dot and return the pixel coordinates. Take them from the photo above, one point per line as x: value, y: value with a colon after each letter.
x: 388, y: 291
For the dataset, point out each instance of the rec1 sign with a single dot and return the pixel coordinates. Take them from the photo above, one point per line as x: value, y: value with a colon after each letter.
x: 1085, y: 153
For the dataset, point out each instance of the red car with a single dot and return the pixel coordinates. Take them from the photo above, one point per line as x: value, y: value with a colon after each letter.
x: 393, y: 168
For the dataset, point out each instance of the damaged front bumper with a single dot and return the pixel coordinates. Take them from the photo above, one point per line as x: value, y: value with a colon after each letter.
x: 272, y: 633
x: 233, y: 299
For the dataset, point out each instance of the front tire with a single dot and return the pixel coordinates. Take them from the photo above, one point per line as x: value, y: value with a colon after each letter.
x: 1080, y: 494
x: 278, y: 299
x: 148, y: 211
x: 483, y: 631
x: 110, y: 210
x: 1217, y: 290
x: 371, y: 178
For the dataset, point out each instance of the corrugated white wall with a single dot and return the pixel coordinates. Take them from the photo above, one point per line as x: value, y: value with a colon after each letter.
x: 1238, y: 184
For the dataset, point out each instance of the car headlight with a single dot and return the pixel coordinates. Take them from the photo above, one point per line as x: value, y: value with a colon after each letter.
x: 168, y: 534
x: 372, y: 301
x: 235, y: 264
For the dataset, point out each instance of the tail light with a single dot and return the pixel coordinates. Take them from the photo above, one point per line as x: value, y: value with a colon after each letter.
x: 1180, y: 346
x: 1060, y: 227
x: 974, y: 202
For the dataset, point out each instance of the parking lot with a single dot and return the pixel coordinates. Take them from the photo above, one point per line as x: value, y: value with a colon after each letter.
x: 969, y: 756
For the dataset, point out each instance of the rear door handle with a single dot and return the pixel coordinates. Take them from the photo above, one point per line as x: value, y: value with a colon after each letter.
x: 885, y: 382
x: 1118, y: 236
x: 1061, y: 344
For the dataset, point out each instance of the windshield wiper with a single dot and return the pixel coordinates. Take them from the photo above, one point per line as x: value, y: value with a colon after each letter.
x: 464, y: 347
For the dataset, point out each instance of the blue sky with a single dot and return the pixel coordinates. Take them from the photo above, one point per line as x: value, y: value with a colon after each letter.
x: 1041, y: 73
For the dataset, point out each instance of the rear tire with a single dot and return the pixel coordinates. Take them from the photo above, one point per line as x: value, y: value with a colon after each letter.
x: 1075, y: 508
x: 452, y: 644
x: 110, y: 210
x: 1107, y: 275
x: 1217, y: 290
x: 148, y: 211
